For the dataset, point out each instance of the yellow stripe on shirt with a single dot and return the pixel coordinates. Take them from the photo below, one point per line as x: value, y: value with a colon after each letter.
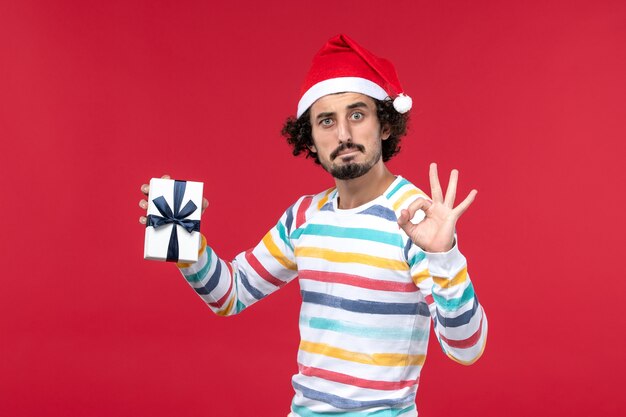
x: 421, y: 276
x: 447, y: 283
x: 269, y: 243
x: 202, y: 249
x: 379, y: 359
x: 226, y: 311
x: 405, y: 196
x: 351, y: 257
x: 323, y: 201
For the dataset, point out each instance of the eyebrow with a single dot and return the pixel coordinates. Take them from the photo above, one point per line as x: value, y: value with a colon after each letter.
x: 357, y: 105
x: 324, y: 115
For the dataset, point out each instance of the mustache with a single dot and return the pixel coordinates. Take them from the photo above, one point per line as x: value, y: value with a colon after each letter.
x: 344, y: 146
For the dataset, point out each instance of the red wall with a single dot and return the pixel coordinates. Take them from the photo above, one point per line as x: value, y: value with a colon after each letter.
x: 526, y: 99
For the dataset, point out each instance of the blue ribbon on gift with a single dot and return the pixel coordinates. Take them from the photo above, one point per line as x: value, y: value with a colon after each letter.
x: 177, y: 217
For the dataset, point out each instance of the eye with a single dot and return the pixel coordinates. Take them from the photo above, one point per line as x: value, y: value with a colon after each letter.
x: 326, y: 122
x: 357, y: 115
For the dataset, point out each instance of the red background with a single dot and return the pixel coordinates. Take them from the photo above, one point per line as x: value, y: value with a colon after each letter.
x: 526, y: 99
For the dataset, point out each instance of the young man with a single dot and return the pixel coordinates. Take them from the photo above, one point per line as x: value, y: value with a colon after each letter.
x: 377, y: 260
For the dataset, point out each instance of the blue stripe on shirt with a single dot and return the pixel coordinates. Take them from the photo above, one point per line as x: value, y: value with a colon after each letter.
x: 345, y: 403
x: 289, y: 219
x: 212, y: 282
x: 459, y: 320
x: 365, y: 306
x: 380, y: 211
x: 253, y: 291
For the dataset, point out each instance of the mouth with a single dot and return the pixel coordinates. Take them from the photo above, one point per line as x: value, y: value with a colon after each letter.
x: 346, y: 151
x: 347, y: 154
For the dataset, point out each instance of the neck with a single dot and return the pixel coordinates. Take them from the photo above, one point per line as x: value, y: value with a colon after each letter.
x: 358, y: 191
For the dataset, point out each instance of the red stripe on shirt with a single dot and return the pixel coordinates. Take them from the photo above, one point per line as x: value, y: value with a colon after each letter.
x: 219, y: 303
x: 465, y: 343
x: 358, y: 382
x: 357, y: 281
x: 301, y: 215
x: 260, y: 269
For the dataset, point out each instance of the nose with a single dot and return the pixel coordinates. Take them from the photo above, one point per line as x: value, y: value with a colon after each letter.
x: 343, y: 131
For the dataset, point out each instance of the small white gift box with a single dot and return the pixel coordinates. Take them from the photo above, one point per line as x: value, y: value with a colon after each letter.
x: 173, y: 226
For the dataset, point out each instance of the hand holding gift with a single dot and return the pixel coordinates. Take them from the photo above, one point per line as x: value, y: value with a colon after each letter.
x: 173, y: 219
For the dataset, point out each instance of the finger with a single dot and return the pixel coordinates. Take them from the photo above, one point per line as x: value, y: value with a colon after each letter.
x: 435, y: 187
x: 451, y: 191
x: 464, y: 205
x: 143, y: 220
x: 205, y: 204
x: 143, y: 204
x: 418, y: 204
x: 145, y: 188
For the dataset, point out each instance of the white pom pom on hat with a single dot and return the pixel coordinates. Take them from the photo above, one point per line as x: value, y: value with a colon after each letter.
x: 342, y: 66
x: 402, y: 103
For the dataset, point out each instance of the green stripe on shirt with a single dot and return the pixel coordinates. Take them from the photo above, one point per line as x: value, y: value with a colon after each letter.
x: 397, y: 187
x: 201, y: 274
x: 382, y: 333
x: 454, y: 303
x: 282, y: 232
x: 350, y: 233
x: 305, y: 412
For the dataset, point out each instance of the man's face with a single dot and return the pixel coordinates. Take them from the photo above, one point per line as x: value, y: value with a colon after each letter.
x: 347, y: 134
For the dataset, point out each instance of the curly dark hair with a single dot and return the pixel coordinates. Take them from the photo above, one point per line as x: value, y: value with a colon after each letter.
x: 298, y: 131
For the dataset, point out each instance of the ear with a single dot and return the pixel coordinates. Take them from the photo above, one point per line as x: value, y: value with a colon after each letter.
x: 385, y: 132
x: 312, y: 148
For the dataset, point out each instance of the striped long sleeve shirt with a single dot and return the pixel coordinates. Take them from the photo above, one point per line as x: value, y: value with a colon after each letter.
x: 368, y: 298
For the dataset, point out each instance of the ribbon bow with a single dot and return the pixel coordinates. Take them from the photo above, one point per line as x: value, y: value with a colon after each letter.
x: 177, y: 217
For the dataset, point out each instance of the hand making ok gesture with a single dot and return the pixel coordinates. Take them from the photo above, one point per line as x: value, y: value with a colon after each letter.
x: 436, y: 232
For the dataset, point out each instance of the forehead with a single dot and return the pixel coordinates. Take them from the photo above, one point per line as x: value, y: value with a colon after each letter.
x: 332, y: 103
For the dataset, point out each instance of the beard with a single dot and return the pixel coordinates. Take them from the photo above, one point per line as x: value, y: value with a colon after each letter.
x: 350, y: 170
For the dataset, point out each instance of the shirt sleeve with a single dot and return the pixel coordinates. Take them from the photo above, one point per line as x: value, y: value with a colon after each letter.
x: 230, y: 287
x: 460, y: 323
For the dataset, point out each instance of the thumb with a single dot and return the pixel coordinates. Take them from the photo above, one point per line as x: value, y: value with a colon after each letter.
x: 404, y: 222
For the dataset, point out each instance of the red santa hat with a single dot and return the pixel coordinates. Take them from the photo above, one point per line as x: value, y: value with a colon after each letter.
x: 342, y: 66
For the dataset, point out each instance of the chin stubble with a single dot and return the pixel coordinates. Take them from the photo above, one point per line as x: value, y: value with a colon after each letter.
x: 351, y: 170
